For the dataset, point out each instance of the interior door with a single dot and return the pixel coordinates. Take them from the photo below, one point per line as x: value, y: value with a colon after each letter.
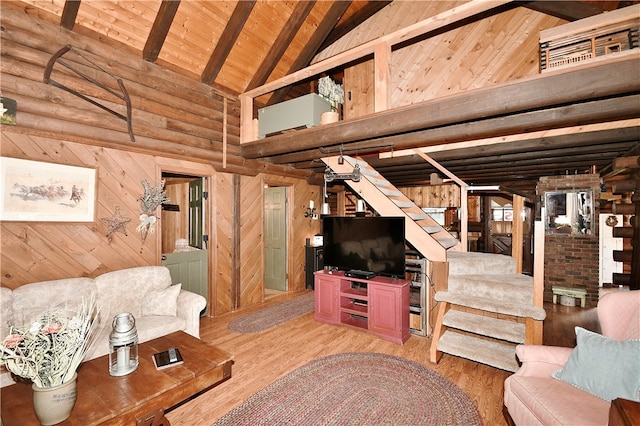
x: 190, y: 269
x: 196, y: 212
x: 275, y: 238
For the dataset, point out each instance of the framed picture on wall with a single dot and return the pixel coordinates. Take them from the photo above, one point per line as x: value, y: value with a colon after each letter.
x: 45, y: 192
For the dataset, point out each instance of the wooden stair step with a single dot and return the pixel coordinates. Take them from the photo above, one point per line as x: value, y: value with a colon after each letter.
x: 432, y: 229
x: 493, y: 353
x: 390, y: 192
x: 492, y: 305
x: 403, y: 204
x: 448, y: 242
x: 510, y: 331
x: 378, y: 182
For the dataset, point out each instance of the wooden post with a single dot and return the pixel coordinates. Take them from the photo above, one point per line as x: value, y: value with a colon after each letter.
x: 382, y: 58
x: 517, y: 231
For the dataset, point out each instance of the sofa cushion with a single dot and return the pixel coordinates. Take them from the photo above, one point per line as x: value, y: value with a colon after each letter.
x: 161, y: 302
x: 6, y: 311
x: 124, y: 290
x: 31, y: 300
x: 603, y: 367
x: 551, y: 401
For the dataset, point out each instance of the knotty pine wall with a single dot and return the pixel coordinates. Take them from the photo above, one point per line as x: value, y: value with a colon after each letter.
x: 41, y: 251
x: 179, y: 127
x: 500, y: 48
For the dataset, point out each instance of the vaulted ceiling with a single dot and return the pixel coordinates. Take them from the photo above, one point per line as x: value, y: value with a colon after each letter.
x: 236, y: 46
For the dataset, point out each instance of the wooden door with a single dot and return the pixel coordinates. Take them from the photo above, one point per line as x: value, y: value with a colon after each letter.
x: 190, y: 269
x: 275, y: 238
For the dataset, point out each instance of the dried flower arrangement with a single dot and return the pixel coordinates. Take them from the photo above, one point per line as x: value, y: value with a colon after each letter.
x: 152, y: 197
x: 49, y: 352
x: 331, y: 91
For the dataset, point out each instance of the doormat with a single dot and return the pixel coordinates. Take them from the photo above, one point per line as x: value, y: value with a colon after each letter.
x: 273, y: 316
x: 358, y: 389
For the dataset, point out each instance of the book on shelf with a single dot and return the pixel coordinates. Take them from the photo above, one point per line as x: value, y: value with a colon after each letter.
x: 168, y: 358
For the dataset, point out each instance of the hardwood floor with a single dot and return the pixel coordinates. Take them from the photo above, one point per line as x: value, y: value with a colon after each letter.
x: 260, y: 359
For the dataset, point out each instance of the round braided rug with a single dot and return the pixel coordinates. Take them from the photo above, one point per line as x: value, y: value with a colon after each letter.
x: 358, y: 389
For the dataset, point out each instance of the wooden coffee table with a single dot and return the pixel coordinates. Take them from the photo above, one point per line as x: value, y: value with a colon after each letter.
x: 138, y: 398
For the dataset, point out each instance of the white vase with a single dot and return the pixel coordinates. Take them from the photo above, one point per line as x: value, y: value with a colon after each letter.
x: 53, y: 405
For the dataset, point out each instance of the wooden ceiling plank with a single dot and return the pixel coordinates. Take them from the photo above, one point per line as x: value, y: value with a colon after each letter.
x: 306, y: 55
x: 295, y: 21
x: 69, y: 14
x: 160, y: 29
x: 352, y: 22
x: 228, y: 39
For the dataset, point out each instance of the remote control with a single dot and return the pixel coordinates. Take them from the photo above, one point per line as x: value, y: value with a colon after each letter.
x: 172, y: 355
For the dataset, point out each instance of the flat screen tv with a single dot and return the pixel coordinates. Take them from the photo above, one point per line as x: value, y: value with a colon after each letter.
x: 372, y: 244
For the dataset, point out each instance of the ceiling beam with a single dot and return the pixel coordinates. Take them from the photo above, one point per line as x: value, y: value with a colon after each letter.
x: 69, y: 14
x: 571, y: 10
x: 227, y: 40
x: 601, y: 132
x: 562, y: 116
x: 160, y: 29
x: 282, y: 42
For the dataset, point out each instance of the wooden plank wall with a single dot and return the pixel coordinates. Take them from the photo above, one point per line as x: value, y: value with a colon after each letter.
x: 493, y: 50
x: 447, y: 195
x: 178, y: 128
x: 34, y: 251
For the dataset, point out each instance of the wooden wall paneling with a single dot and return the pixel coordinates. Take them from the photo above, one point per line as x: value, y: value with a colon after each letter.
x: 358, y: 90
x: 53, y: 250
x: 492, y: 50
x: 251, y: 241
x: 434, y: 196
x: 221, y: 244
x: 299, y: 192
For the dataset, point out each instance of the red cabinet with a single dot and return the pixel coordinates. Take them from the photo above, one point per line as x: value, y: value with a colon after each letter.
x: 379, y: 305
x: 326, y: 299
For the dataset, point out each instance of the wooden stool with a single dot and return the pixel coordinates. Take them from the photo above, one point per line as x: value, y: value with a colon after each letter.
x: 570, y: 291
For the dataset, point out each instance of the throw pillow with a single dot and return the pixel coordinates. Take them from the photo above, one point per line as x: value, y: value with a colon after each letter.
x: 162, y: 302
x: 604, y: 367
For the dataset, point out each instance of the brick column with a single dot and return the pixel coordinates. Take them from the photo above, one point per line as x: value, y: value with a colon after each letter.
x: 572, y: 260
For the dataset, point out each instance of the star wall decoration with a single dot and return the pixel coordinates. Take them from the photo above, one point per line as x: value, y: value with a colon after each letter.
x: 116, y: 223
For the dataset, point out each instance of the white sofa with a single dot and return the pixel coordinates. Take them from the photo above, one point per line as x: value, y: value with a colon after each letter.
x: 158, y: 306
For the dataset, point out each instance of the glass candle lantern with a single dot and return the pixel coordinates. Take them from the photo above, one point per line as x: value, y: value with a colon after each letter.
x: 123, y: 345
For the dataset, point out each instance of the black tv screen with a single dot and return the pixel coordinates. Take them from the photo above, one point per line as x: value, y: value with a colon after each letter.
x: 373, y: 244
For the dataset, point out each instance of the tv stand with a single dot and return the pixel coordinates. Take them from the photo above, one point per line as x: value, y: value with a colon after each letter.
x: 379, y: 305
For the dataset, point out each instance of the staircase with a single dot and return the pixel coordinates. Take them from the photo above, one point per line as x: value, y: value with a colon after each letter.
x: 487, y: 308
x: 485, y: 311
x: 421, y: 230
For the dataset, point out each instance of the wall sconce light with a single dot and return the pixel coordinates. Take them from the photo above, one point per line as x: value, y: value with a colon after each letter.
x: 311, y: 211
x: 326, y: 210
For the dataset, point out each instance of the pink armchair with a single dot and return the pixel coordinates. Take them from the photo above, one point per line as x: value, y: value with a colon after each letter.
x: 533, y: 397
